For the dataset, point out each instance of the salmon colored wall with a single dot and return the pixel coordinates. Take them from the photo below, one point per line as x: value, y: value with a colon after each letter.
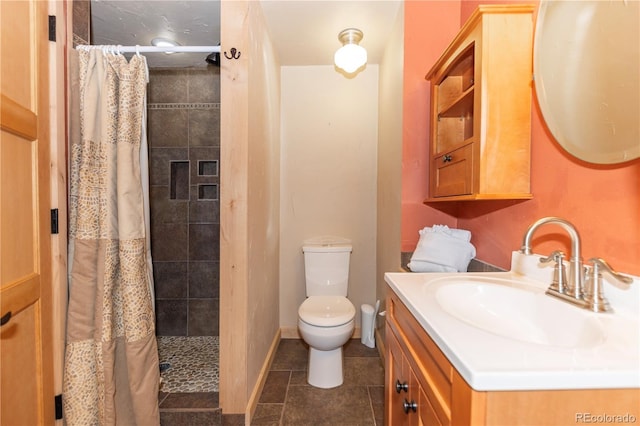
x: 603, y: 202
x: 429, y: 27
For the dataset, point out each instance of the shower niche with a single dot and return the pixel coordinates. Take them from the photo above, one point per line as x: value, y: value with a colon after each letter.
x: 208, y: 168
x: 184, y: 141
x: 179, y: 181
x: 208, y: 191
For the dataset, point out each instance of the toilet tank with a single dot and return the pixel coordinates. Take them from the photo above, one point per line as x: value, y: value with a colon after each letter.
x: 326, y: 267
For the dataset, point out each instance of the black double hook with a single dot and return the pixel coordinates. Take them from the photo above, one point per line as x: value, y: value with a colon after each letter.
x: 235, y: 54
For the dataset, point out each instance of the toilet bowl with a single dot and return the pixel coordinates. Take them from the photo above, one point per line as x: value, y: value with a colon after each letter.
x: 326, y: 323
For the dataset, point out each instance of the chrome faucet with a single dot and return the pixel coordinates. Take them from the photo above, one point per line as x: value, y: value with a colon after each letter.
x: 573, y: 289
x: 574, y: 286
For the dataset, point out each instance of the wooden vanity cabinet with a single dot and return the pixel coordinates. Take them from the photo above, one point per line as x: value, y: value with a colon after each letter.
x: 443, y: 397
x: 412, y: 358
x: 481, y: 108
x: 402, y: 382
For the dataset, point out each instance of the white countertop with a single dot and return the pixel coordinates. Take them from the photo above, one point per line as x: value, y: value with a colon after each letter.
x: 490, y: 362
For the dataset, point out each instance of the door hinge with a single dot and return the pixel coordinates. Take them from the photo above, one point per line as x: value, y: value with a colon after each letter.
x: 54, y: 221
x: 58, y: 403
x: 52, y: 28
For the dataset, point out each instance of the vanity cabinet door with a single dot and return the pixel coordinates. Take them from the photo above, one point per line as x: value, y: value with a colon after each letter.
x: 426, y: 370
x: 402, y: 390
x: 394, y: 377
x: 413, y: 408
x: 428, y: 416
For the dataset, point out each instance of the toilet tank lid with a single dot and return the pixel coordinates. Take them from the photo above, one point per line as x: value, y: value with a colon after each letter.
x: 327, y: 248
x: 327, y: 244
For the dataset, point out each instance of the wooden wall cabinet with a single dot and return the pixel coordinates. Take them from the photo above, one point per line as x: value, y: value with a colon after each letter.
x: 481, y: 108
x: 437, y: 394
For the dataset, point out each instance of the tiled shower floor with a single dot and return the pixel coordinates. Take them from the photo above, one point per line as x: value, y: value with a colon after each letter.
x: 193, y: 363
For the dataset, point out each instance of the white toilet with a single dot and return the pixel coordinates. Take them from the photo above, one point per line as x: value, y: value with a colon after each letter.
x: 326, y: 319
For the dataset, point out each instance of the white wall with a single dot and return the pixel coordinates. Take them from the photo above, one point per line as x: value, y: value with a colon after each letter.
x: 328, y: 177
x: 390, y: 156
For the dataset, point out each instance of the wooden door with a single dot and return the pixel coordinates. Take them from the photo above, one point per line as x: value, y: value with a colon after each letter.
x: 26, y: 367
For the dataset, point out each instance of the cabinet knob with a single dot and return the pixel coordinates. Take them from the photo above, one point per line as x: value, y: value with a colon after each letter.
x: 402, y: 386
x: 447, y: 158
x: 409, y: 406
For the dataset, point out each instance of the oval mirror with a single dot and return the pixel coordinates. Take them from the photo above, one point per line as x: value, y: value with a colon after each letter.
x: 587, y: 75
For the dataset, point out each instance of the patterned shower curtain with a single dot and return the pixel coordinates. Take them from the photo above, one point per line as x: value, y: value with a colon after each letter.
x: 111, y: 374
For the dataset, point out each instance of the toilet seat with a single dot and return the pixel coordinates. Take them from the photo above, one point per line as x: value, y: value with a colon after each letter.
x: 326, y: 311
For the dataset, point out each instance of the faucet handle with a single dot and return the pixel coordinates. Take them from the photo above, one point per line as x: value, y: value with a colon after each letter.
x: 594, y: 293
x: 559, y: 282
x: 555, y: 256
x: 602, y: 265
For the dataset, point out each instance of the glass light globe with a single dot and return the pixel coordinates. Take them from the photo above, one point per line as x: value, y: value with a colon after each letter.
x: 350, y: 57
x: 164, y: 42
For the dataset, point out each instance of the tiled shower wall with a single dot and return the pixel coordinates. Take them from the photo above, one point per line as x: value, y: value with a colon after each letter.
x: 184, y: 142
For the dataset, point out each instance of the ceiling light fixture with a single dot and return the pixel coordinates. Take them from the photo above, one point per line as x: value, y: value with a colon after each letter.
x: 351, y: 56
x: 164, y: 42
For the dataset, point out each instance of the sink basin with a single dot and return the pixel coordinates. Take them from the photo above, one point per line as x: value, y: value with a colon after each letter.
x: 516, y: 311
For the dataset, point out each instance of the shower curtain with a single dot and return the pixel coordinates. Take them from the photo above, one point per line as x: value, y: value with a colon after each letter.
x: 111, y: 373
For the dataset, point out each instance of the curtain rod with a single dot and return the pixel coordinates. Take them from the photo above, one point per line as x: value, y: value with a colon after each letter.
x: 151, y: 49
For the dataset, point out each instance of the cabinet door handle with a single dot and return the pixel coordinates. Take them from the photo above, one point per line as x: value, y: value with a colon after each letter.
x: 5, y: 318
x: 447, y: 158
x: 402, y: 386
x: 409, y: 406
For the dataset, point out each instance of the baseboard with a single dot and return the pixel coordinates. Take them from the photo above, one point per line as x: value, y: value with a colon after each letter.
x: 262, y: 378
x: 292, y: 333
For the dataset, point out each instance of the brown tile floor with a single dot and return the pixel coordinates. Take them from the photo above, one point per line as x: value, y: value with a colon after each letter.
x: 287, y: 399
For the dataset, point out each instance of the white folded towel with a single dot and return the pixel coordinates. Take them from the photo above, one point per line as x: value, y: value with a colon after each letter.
x: 442, y: 249
x: 424, y: 266
x: 462, y: 234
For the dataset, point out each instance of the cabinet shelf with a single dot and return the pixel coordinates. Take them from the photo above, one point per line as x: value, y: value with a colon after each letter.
x: 460, y: 107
